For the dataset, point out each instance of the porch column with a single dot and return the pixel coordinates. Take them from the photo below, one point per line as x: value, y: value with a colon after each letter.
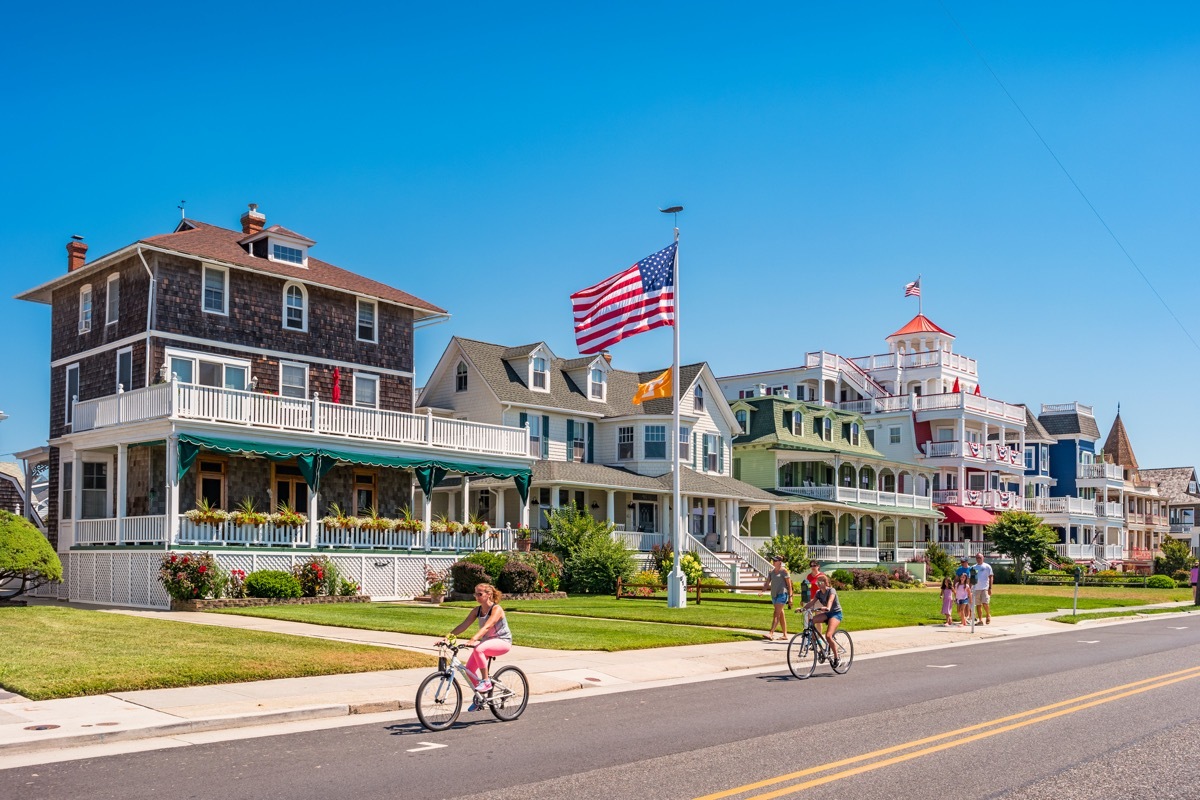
x: 986, y: 430
x: 611, y: 506
x: 313, y: 503
x: 172, y: 489
x: 774, y: 521
x: 427, y: 501
x: 962, y: 437
x: 554, y: 505
x: 77, y: 494
x: 501, y: 522
x: 466, y: 498
x: 122, y: 489
x: 525, y: 510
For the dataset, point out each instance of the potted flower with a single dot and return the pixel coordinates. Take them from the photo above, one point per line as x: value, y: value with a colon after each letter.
x: 522, y: 539
x: 248, y: 514
x: 435, y: 583
x: 287, y: 516
x: 477, y: 525
x: 439, y: 525
x: 408, y: 522
x: 373, y: 522
x: 205, y: 514
x: 335, y: 518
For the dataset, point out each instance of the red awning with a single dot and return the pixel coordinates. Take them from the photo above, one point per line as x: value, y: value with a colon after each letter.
x: 967, y: 515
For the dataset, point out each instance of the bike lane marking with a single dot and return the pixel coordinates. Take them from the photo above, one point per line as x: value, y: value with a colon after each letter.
x: 425, y: 747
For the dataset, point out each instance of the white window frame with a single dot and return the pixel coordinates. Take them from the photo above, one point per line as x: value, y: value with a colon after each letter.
x: 68, y: 417
x: 109, y: 478
x: 797, y: 423
x: 461, y: 376
x: 826, y: 429
x: 112, y: 290
x: 855, y: 433
x: 362, y: 301
x: 632, y: 443
x: 893, y: 434
x: 124, y: 351
x: 196, y: 358
x: 714, y: 452
x: 698, y: 398
x: 535, y: 434
x: 601, y: 384
x: 646, y: 440
x: 579, y: 453
x: 366, y: 376
x: 685, y: 443
x: 534, y: 372
x: 742, y: 416
x: 273, y: 254
x: 224, y: 290
x: 295, y: 365
x: 85, y: 316
x: 287, y: 287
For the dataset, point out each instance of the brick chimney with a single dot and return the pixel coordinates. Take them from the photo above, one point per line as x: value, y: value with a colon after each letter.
x: 76, y: 253
x: 252, y: 221
x: 607, y: 356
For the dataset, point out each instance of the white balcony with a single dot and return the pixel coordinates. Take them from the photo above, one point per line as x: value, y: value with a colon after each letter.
x: 1181, y: 527
x: 1075, y: 506
x: 185, y: 401
x: 995, y: 500
x: 1066, y: 408
x: 878, y: 405
x: 848, y: 494
x: 1076, y: 552
x: 976, y: 404
x: 974, y: 451
x: 1108, y: 472
x: 925, y: 358
x: 1109, y: 510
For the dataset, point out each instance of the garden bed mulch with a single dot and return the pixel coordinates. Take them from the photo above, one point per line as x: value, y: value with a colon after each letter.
x: 250, y: 602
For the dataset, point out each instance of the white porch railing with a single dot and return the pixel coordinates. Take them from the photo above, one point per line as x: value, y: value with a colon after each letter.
x: 877, y: 405
x: 1109, y: 510
x: 146, y: 530
x: 709, y: 560
x: 1060, y: 505
x: 942, y: 450
x: 950, y: 401
x: 251, y: 409
x: 1076, y: 552
x: 1066, y: 408
x: 226, y: 533
x: 750, y: 556
x: 1112, y: 472
x: 849, y: 494
x: 138, y: 530
x: 968, y: 548
x: 640, y: 541
x: 1181, y: 527
x: 96, y: 531
x: 998, y: 501
x: 828, y: 552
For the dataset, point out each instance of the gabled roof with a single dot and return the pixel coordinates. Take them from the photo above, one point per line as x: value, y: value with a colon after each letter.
x: 509, y: 384
x: 921, y: 324
x: 767, y: 427
x: 1172, y: 483
x: 1035, y: 430
x: 201, y: 240
x: 13, y: 472
x: 1072, y: 424
x: 1118, y: 447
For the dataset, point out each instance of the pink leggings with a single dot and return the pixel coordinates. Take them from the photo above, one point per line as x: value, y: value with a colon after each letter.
x: 488, y: 648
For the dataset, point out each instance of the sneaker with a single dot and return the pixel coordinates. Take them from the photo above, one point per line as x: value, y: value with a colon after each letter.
x: 483, y: 687
x: 476, y: 704
x: 833, y: 662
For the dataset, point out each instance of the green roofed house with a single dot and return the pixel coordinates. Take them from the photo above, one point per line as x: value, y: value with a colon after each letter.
x: 848, y: 501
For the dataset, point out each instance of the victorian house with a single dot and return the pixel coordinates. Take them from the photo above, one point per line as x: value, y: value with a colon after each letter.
x: 848, y: 501
x: 1144, y: 509
x: 595, y: 448
x: 208, y: 369
x: 1179, y: 487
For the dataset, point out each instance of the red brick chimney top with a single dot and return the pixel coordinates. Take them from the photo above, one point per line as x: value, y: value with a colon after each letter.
x: 607, y: 356
x: 252, y: 220
x: 76, y: 253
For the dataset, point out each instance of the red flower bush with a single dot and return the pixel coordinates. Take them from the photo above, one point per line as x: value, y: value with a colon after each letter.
x: 191, y: 577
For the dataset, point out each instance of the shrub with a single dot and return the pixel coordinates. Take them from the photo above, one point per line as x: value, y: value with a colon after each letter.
x: 518, y: 578
x: 549, y: 567
x: 662, y: 554
x: 868, y: 578
x: 691, y: 567
x: 1183, y: 577
x: 572, y: 529
x: 941, y: 565
x: 715, y: 583
x: 347, y: 588
x: 466, y: 575
x: 492, y: 563
x: 26, y: 558
x: 192, y: 576
x: 790, y: 548
x: 596, y: 565
x: 272, y: 583
x: 236, y: 587
x: 843, y: 576
x: 1002, y: 574
x: 647, y: 576
x: 1160, y: 582
x: 317, y: 576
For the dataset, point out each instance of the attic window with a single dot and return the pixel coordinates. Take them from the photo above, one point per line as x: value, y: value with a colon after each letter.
x: 596, y: 384
x: 541, y: 376
x: 460, y: 377
x: 292, y: 255
x: 699, y: 398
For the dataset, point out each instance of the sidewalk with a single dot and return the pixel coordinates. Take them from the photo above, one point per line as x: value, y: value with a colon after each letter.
x: 27, y: 726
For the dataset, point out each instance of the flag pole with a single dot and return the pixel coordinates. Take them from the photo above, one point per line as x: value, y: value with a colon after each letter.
x: 676, y: 583
x: 920, y: 301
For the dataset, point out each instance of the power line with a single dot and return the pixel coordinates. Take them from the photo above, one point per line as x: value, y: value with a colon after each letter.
x: 1067, y: 173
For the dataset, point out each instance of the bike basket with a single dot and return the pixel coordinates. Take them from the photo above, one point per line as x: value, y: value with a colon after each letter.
x: 441, y: 663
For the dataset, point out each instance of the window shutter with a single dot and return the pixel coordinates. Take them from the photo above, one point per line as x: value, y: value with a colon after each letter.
x: 545, y: 436
x: 570, y: 440
x: 591, y: 441
x: 720, y: 455
x: 693, y: 449
x: 523, y: 419
x: 704, y: 461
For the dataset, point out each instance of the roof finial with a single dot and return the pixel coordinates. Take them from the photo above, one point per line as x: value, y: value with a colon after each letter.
x: 1118, y: 408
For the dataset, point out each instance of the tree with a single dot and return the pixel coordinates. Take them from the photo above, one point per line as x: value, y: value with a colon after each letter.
x: 1176, y: 556
x: 1025, y: 539
x: 790, y: 548
x: 26, y: 559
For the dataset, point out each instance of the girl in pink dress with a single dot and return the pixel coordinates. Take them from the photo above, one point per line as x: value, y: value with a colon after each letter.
x: 948, y: 601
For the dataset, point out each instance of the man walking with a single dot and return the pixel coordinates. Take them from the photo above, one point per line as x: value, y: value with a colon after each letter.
x: 983, y: 590
x: 963, y: 569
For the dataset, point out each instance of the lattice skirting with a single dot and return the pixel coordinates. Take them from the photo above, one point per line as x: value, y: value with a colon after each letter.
x: 119, y: 578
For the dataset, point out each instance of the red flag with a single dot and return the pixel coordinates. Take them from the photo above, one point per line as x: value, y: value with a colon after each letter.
x: 337, y: 385
x: 977, y: 388
x: 956, y: 386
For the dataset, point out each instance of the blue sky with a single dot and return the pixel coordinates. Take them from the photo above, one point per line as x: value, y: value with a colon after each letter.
x: 492, y: 160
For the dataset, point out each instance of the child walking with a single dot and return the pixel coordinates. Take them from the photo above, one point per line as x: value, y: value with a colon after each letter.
x: 948, y: 601
x: 962, y: 596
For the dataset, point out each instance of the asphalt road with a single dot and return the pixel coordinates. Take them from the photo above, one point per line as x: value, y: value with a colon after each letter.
x: 1102, y: 712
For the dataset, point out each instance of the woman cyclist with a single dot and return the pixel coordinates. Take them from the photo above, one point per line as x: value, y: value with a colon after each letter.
x: 828, y: 610
x: 493, y: 637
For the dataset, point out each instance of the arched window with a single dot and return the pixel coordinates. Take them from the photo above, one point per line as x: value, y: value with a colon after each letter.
x: 699, y: 398
x: 460, y: 377
x: 295, y: 307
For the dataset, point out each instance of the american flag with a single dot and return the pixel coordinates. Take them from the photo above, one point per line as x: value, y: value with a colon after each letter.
x: 913, y: 289
x: 639, y: 299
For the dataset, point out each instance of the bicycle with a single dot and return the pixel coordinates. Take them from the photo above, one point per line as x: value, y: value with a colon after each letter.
x: 439, y: 697
x: 808, y: 647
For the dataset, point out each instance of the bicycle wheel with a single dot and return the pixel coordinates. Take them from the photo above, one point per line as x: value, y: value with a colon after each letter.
x: 510, y: 695
x: 439, y: 701
x: 802, y: 656
x: 845, y: 652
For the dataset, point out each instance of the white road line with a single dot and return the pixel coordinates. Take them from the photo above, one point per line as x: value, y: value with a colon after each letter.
x: 425, y: 746
x: 941, y: 666
x: 1089, y: 641
x: 1180, y: 628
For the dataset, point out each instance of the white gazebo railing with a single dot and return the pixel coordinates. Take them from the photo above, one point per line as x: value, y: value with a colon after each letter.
x: 254, y: 410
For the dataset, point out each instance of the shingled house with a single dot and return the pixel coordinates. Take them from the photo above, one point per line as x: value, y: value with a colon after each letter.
x: 207, y: 368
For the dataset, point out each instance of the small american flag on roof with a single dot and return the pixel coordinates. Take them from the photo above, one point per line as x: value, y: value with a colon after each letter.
x: 913, y: 289
x: 634, y: 301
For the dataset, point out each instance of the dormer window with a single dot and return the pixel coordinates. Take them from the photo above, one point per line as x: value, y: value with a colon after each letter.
x: 85, y: 308
x: 540, y: 379
x: 699, y: 398
x: 295, y: 307
x: 596, y: 384
x: 743, y: 419
x: 854, y: 433
x: 291, y: 255
x: 460, y: 377
x: 797, y: 423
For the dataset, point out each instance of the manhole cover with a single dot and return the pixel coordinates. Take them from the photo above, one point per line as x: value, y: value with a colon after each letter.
x: 106, y: 724
x: 41, y: 727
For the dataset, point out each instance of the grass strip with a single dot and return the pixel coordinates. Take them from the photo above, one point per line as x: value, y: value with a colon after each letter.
x: 567, y: 632
x: 1071, y: 619
x: 53, y: 652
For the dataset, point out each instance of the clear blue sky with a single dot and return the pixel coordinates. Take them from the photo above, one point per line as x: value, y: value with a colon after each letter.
x: 492, y: 159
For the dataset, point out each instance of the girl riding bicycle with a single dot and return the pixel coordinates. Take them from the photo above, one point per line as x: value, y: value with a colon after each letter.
x: 493, y: 637
x: 828, y: 608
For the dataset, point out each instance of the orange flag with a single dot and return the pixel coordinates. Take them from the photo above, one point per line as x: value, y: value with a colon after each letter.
x: 659, y: 387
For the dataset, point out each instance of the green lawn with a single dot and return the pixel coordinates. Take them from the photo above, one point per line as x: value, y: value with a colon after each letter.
x: 532, y: 630
x: 65, y: 652
x: 1074, y: 618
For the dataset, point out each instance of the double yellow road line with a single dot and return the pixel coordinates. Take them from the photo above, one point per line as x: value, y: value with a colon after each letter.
x: 886, y: 757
